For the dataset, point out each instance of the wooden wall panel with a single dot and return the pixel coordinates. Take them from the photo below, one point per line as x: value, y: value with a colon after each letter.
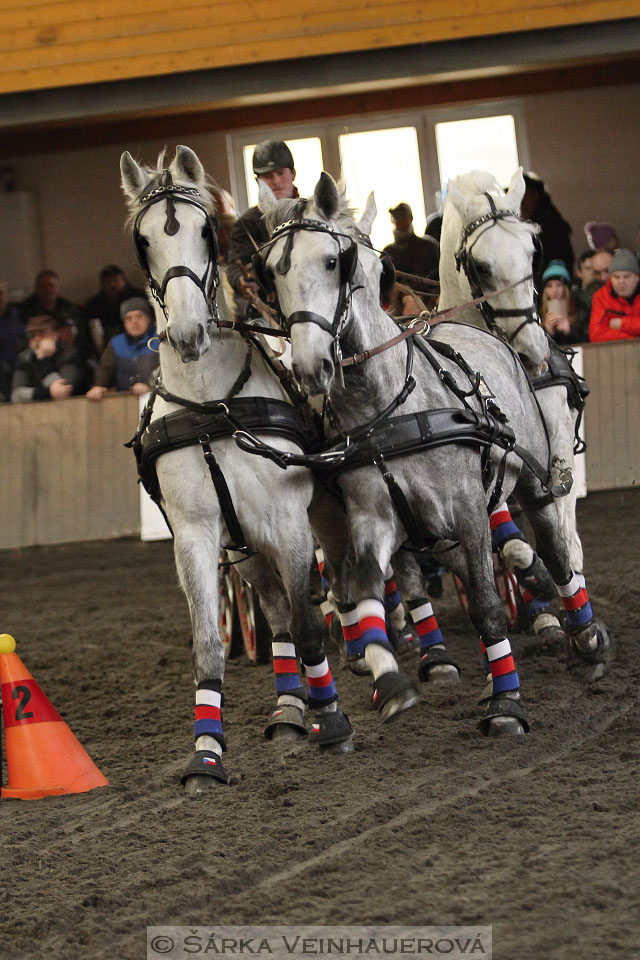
x: 67, y: 42
x: 66, y: 474
x: 612, y: 416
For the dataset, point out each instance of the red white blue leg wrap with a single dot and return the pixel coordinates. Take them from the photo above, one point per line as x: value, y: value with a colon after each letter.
x: 322, y: 689
x: 208, y: 721
x: 372, y: 624
x: 425, y: 623
x: 285, y: 668
x: 499, y: 659
x: 502, y: 526
x: 352, y: 635
x: 575, y: 600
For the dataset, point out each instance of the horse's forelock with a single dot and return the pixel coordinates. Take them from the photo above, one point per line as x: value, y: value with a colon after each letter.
x: 206, y: 187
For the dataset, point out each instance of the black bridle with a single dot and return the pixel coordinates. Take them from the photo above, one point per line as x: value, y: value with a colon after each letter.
x: 346, y: 261
x: 464, y: 258
x: 164, y: 189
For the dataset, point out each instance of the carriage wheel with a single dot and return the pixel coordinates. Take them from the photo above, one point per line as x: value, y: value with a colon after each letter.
x: 507, y: 587
x: 256, y: 634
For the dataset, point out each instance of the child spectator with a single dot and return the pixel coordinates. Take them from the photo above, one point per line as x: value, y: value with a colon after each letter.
x: 52, y: 367
x: 127, y: 362
x: 615, y: 310
x: 557, y: 308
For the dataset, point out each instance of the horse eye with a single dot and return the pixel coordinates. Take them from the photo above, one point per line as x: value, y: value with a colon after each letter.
x: 206, y: 232
x: 331, y: 263
x: 483, y: 269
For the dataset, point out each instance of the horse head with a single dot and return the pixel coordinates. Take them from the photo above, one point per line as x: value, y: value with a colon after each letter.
x: 494, y: 257
x: 312, y: 264
x: 175, y: 240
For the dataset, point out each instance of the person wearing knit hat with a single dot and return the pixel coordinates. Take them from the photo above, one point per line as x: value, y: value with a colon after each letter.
x: 128, y: 362
x: 615, y: 310
x: 557, y: 307
x: 601, y: 236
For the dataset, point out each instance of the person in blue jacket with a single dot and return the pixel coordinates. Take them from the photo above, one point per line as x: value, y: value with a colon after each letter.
x: 128, y: 363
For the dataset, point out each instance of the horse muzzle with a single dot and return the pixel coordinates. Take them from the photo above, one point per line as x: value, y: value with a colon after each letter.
x: 316, y: 378
x: 189, y: 345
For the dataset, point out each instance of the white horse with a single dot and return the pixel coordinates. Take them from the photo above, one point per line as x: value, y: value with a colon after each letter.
x: 484, y: 247
x: 213, y: 494
x: 322, y: 280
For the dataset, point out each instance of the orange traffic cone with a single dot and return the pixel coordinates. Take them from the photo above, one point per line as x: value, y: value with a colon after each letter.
x: 43, y: 757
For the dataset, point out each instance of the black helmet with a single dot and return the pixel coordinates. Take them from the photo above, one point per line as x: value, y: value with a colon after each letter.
x: 271, y: 155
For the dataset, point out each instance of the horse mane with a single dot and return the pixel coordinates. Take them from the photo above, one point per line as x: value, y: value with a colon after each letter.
x: 207, y: 188
x: 478, y: 182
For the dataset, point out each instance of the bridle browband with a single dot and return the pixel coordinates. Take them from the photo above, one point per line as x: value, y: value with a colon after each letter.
x: 464, y: 258
x: 163, y: 188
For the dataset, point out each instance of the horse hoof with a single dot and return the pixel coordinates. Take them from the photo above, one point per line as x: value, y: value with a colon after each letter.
x: 393, y: 693
x: 437, y: 667
x: 593, y: 644
x: 196, y: 785
x: 358, y: 666
x: 203, y: 772
x: 498, y: 726
x: 504, y: 714
x: 286, y: 724
x: 551, y: 637
x: 344, y: 746
x: 331, y: 729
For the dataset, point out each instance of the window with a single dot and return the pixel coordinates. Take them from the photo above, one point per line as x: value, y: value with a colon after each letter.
x: 482, y: 143
x: 388, y: 162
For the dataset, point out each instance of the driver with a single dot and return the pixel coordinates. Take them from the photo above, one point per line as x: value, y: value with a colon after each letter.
x: 272, y: 163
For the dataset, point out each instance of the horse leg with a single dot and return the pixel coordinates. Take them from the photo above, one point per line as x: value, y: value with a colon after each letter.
x: 504, y: 713
x: 196, y: 556
x: 393, y: 692
x: 436, y: 666
x: 535, y: 584
x: 287, y: 720
x: 588, y: 638
x: 330, y: 727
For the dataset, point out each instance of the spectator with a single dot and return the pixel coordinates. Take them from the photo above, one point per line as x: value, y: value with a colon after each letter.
x: 601, y: 236
x: 52, y: 367
x: 128, y: 362
x: 46, y: 300
x: 615, y: 311
x: 584, y: 270
x: 556, y: 305
x: 13, y: 336
x: 600, y: 261
x: 410, y: 253
x: 272, y: 163
x: 101, y: 313
x: 555, y: 232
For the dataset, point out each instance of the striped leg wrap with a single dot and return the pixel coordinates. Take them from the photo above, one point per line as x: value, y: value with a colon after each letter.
x: 576, y: 602
x: 425, y: 623
x: 372, y: 625
x: 285, y: 668
x: 348, y: 614
x: 326, y: 606
x: 392, y: 596
x: 502, y: 526
x: 208, y: 720
x: 322, y: 689
x: 500, y: 662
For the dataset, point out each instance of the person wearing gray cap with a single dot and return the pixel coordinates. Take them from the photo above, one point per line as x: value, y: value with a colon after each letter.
x: 128, y: 362
x: 272, y: 163
x: 615, y: 309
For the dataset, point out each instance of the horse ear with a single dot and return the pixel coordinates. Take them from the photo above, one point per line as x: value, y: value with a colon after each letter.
x: 326, y: 195
x: 132, y: 176
x: 266, y: 198
x: 457, y: 198
x: 515, y: 193
x: 187, y: 165
x: 370, y: 213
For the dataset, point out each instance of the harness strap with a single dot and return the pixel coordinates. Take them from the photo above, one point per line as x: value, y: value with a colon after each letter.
x: 416, y: 536
x: 226, y: 502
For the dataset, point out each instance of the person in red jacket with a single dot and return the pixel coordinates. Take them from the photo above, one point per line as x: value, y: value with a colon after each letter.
x: 615, y: 309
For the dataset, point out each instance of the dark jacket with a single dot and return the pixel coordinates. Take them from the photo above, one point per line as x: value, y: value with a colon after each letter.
x: 555, y: 237
x: 126, y: 361
x: 417, y: 255
x: 107, y: 312
x: 33, y: 377
x: 31, y: 307
x: 13, y: 335
x: 250, y: 224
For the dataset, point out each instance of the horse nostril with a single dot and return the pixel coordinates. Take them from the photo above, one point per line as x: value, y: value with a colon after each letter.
x: 327, y: 371
x: 200, y: 335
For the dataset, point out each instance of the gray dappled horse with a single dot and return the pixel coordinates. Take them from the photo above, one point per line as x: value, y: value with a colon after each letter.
x: 327, y: 288
x: 214, y: 495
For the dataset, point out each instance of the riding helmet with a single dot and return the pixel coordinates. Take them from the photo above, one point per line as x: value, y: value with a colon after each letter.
x: 271, y: 155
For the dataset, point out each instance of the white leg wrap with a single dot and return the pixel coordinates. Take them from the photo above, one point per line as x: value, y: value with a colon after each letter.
x: 205, y: 742
x: 518, y: 553
x: 379, y: 660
